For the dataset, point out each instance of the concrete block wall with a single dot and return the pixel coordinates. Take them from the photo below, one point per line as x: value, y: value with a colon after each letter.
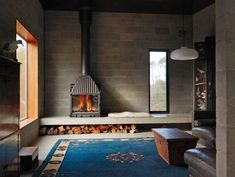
x: 225, y: 85
x: 218, y: 20
x: 120, y: 43
x: 62, y: 60
x: 31, y: 14
x: 29, y: 134
x: 204, y: 23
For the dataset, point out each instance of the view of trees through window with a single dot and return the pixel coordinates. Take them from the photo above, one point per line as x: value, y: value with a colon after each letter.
x: 21, y: 55
x: 158, y: 81
x: 27, y: 55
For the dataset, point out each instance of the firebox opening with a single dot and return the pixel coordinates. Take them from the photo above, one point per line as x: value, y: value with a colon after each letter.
x: 85, y: 103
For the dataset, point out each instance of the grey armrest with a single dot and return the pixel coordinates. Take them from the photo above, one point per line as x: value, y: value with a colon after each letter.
x: 206, y: 135
x: 201, y: 162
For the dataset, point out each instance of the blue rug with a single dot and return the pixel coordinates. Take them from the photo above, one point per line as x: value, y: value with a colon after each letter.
x: 107, y: 158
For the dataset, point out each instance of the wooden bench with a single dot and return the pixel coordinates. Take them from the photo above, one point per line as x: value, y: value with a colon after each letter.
x: 172, y: 143
x: 28, y: 157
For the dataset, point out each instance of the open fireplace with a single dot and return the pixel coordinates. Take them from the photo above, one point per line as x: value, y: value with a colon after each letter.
x: 85, y: 103
x: 85, y: 98
x: 85, y: 95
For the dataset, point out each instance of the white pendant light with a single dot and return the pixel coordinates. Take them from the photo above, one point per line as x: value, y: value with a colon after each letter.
x: 184, y: 53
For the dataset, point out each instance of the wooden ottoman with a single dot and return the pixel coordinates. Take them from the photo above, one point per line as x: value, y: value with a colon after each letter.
x: 172, y: 143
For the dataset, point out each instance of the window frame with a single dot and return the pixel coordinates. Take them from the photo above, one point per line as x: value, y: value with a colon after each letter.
x: 26, y: 76
x: 32, y: 74
x: 167, y: 79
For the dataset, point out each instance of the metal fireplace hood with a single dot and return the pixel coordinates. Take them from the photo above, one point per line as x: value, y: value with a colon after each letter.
x: 85, y: 85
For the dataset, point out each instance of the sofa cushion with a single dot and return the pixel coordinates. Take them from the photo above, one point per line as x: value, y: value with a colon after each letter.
x: 202, y: 161
x: 206, y: 135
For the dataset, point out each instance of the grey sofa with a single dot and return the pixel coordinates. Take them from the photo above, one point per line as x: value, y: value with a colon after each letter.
x: 202, y: 161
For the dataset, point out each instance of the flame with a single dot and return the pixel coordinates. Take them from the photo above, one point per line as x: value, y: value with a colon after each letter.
x: 88, y: 103
x: 85, y: 103
x: 81, y: 104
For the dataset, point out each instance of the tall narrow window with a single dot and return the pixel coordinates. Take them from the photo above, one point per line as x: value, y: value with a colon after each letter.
x: 22, y: 57
x: 158, y: 91
x: 27, y: 55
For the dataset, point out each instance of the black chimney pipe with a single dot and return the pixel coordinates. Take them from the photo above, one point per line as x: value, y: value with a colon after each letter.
x: 85, y: 18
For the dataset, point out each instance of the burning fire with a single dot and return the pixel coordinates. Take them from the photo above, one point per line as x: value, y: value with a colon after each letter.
x: 85, y: 103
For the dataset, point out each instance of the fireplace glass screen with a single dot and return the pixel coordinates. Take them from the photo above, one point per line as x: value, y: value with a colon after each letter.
x: 85, y: 103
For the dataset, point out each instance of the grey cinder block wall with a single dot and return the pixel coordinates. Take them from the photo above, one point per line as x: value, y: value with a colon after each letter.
x: 31, y: 14
x: 119, y: 59
x: 204, y: 23
x: 225, y: 85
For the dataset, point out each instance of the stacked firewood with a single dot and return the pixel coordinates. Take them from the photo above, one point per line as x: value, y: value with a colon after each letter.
x: 87, y: 129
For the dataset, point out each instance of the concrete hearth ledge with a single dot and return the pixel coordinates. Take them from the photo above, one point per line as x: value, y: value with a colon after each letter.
x: 154, y: 119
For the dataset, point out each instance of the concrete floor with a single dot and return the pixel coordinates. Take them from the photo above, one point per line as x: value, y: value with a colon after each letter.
x: 45, y: 143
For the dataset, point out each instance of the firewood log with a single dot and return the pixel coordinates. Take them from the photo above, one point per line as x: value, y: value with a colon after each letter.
x: 73, y: 127
x: 103, y: 128
x: 77, y: 130
x: 61, y: 133
x: 55, y: 131
x: 61, y: 128
x: 91, y: 128
x: 43, y: 131
x: 95, y: 131
x: 50, y: 131
x: 132, y: 129
x: 85, y: 129
x: 70, y: 132
x: 120, y: 127
x: 125, y: 130
x: 113, y: 129
x: 127, y: 127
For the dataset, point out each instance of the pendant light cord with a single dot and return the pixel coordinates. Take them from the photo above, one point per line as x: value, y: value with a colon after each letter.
x: 183, y: 53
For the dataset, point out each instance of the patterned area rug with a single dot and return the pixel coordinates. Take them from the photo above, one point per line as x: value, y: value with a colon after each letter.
x: 107, y: 158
